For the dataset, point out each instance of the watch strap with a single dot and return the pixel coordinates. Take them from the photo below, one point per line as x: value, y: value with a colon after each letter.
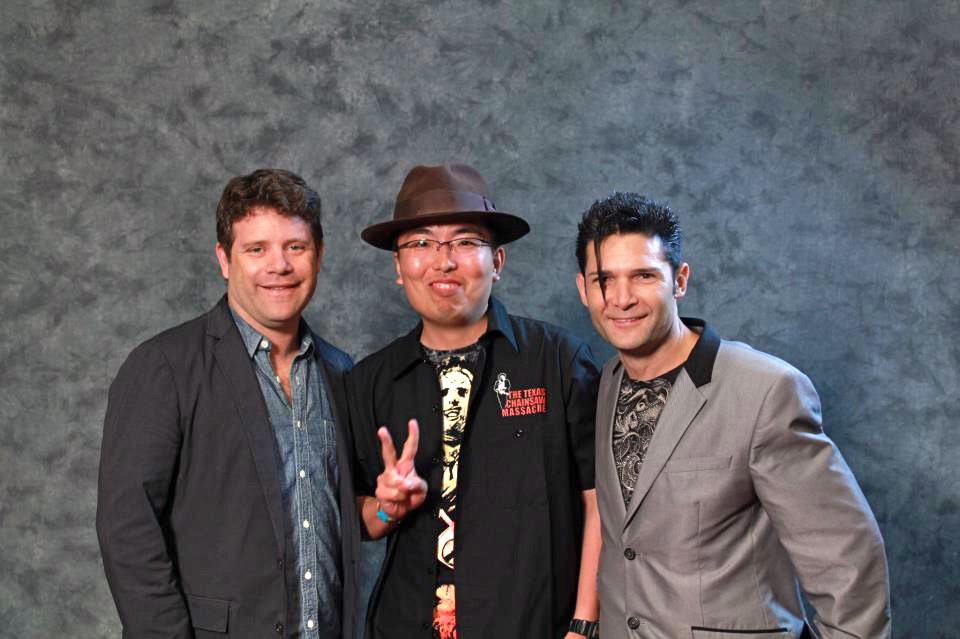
x: 589, y: 629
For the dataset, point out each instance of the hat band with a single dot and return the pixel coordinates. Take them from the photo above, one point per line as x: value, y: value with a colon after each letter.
x: 442, y: 201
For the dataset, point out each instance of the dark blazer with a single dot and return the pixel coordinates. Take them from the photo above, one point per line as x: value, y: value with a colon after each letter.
x: 194, y: 537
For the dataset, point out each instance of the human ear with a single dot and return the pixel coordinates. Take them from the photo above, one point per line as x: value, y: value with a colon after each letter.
x: 223, y: 257
x: 680, y: 280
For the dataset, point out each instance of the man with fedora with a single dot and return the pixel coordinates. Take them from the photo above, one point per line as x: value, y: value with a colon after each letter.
x: 502, y: 538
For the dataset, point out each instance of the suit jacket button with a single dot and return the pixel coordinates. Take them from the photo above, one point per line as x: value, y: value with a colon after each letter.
x: 279, y: 628
x: 633, y: 623
x: 630, y: 554
x: 518, y: 433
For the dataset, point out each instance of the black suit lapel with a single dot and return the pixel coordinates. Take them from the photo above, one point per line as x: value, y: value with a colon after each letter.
x: 233, y: 362
x: 336, y: 391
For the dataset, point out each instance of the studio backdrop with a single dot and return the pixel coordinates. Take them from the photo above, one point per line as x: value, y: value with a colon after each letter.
x: 810, y: 149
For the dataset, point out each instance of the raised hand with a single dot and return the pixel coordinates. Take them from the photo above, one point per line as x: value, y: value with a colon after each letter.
x: 399, y: 488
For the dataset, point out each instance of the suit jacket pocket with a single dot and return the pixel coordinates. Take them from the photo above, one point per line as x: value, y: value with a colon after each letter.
x: 718, y: 633
x: 207, y: 613
x: 689, y: 464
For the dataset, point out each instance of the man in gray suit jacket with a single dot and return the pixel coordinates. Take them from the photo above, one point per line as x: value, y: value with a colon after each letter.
x: 720, y: 496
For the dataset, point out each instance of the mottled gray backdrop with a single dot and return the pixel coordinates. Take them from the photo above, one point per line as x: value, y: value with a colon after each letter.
x: 810, y: 147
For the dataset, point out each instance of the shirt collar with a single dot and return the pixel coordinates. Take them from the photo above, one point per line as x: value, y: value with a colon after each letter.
x: 700, y: 361
x: 699, y: 364
x: 253, y: 340
x: 498, y: 323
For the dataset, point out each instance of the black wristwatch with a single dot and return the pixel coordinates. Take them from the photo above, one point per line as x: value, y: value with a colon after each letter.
x: 589, y: 629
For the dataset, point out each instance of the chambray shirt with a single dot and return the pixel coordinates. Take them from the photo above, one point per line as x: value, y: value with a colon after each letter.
x: 307, y: 447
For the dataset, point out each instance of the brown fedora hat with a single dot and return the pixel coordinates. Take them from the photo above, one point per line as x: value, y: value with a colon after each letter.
x: 444, y: 194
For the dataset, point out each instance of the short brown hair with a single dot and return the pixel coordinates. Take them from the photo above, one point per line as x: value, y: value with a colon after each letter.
x: 274, y: 188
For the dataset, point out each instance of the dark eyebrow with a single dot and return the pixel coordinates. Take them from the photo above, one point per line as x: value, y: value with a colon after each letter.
x: 637, y: 271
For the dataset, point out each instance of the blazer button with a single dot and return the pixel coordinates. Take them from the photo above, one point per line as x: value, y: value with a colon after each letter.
x: 630, y: 554
x: 279, y: 628
x: 633, y: 623
x: 518, y: 433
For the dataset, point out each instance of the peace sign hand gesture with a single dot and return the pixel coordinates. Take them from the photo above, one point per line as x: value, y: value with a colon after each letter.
x: 399, y: 488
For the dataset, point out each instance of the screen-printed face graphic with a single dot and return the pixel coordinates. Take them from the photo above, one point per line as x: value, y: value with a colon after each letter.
x: 455, y: 385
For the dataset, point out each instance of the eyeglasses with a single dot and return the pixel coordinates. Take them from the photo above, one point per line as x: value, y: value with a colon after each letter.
x: 460, y: 246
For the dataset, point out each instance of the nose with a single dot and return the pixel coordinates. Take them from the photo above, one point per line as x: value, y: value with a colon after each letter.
x: 279, y: 261
x: 620, y: 294
x: 443, y: 260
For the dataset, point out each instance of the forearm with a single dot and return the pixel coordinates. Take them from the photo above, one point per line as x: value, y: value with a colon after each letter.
x: 820, y: 514
x: 138, y: 456
x: 588, y: 607
x: 375, y: 527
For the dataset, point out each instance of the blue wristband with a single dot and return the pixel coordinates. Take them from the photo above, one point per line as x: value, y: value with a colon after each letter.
x: 384, y: 517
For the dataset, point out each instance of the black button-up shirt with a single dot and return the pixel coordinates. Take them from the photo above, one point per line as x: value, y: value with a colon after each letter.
x: 526, y: 458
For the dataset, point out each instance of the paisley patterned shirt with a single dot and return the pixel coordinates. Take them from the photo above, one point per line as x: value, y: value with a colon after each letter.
x: 639, y: 404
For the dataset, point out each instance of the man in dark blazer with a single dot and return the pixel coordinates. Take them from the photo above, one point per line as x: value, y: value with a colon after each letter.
x: 221, y: 508
x: 720, y: 496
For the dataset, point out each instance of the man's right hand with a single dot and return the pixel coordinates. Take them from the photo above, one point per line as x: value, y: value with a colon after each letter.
x: 399, y: 488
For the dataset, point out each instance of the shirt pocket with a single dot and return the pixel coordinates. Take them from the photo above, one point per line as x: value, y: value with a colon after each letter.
x: 514, y: 466
x: 717, y: 633
x: 693, y: 464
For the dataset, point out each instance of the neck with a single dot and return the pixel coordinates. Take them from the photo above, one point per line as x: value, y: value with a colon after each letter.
x: 284, y: 339
x: 448, y: 338
x: 667, y: 354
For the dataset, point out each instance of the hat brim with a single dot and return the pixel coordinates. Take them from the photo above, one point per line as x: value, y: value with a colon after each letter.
x: 506, y: 227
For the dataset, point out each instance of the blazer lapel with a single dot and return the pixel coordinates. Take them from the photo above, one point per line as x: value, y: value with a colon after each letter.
x: 232, y: 360
x: 608, y: 483
x: 683, y: 404
x: 336, y: 393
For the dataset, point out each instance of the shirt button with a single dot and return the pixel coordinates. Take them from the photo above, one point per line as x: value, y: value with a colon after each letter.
x: 299, y: 424
x: 298, y: 379
x: 303, y: 473
x: 310, y: 624
x: 306, y: 524
x: 279, y: 628
x: 308, y: 575
x: 280, y: 564
x: 264, y: 344
x: 630, y: 554
x: 633, y: 623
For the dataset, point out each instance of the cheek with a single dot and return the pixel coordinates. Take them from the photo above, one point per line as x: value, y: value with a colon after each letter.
x: 409, y: 270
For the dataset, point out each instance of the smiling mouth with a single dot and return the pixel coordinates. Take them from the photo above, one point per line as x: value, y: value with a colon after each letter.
x: 279, y: 288
x: 624, y: 321
x: 445, y: 287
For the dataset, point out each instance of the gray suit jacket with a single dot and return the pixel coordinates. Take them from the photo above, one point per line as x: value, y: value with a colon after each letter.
x: 741, y: 498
